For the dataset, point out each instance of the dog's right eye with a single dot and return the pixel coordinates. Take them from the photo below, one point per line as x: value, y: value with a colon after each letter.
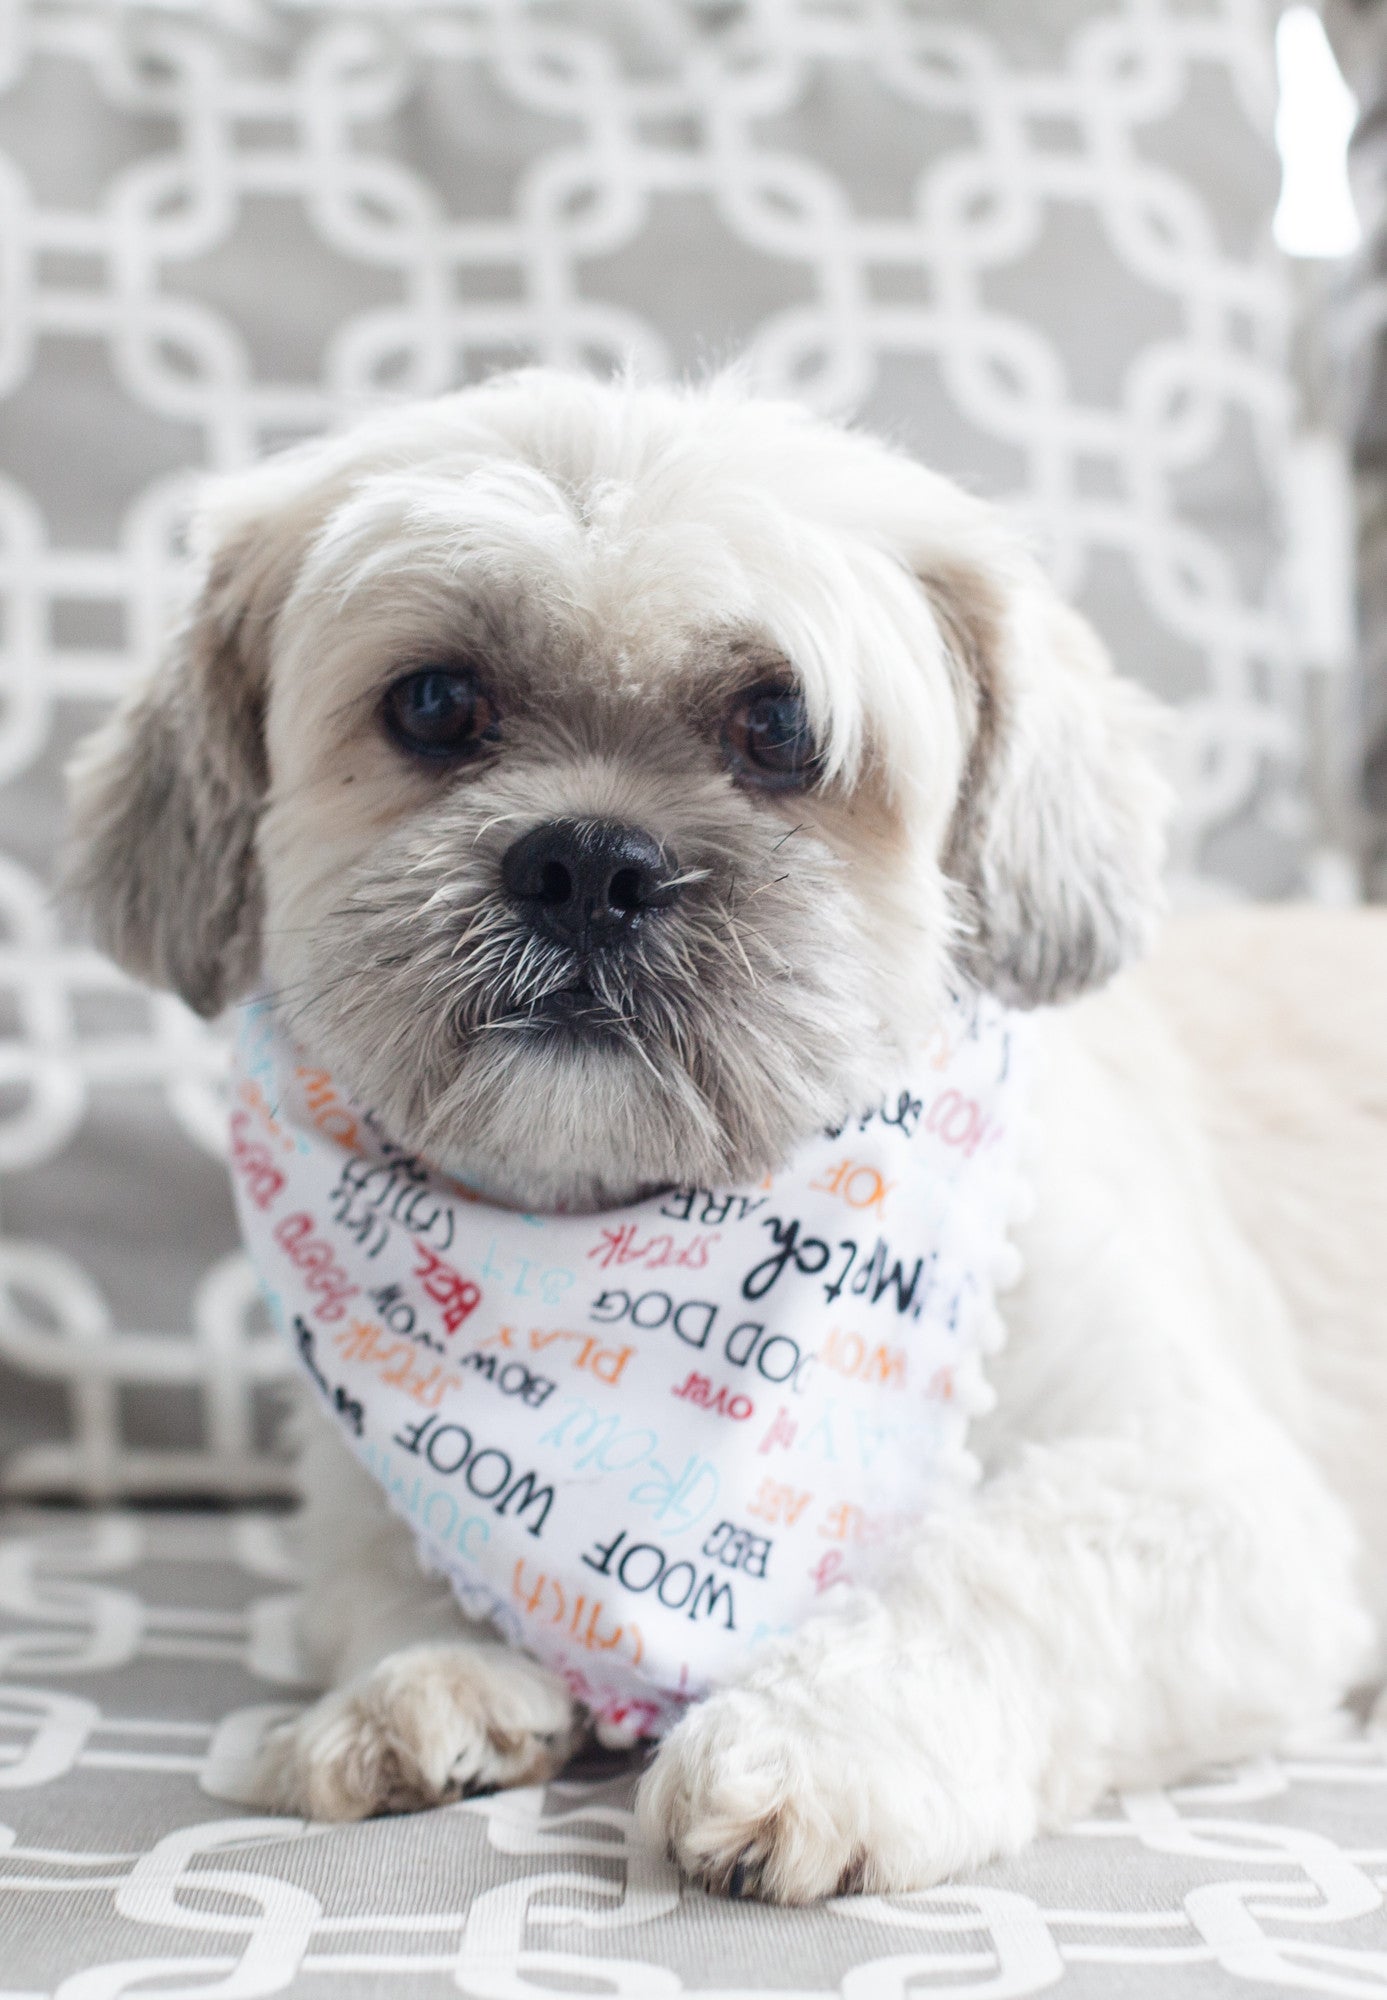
x: 768, y: 739
x: 440, y: 712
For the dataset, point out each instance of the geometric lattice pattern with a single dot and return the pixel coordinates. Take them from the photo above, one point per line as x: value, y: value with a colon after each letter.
x: 141, y: 1658
x: 1032, y: 242
x: 1357, y: 322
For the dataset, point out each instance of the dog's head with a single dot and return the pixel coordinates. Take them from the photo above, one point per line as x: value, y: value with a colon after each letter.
x: 605, y: 781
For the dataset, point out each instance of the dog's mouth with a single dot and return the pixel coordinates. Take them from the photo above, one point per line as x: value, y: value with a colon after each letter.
x: 524, y: 993
x: 580, y: 1010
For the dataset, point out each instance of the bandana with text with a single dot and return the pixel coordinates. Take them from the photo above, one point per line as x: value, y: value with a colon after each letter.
x: 640, y: 1441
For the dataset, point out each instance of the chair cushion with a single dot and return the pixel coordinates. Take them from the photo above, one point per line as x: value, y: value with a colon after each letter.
x: 144, y: 1653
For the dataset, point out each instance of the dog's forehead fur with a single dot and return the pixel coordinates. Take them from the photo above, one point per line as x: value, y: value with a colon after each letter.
x: 595, y: 566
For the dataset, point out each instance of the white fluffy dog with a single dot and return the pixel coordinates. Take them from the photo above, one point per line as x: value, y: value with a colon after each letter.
x: 835, y: 688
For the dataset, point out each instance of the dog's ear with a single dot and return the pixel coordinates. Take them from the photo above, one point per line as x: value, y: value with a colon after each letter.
x: 1058, y: 837
x: 165, y: 797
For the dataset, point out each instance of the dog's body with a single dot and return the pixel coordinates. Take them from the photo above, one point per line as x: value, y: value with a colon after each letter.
x: 1169, y: 1578
x: 724, y: 629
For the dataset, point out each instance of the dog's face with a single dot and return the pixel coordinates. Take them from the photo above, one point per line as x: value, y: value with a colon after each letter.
x: 605, y: 782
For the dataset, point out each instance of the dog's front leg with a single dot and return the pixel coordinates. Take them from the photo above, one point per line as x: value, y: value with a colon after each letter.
x: 1106, y: 1613
x: 423, y: 1705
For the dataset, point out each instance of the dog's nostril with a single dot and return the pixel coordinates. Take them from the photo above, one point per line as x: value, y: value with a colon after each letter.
x: 627, y: 889
x: 555, y: 883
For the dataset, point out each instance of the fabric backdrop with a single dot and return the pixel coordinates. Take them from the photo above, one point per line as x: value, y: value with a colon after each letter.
x: 1031, y: 241
x: 1355, y: 367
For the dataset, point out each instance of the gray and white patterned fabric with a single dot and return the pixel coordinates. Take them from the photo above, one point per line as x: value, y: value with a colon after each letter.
x: 1031, y: 241
x: 1356, y: 364
x: 141, y: 1656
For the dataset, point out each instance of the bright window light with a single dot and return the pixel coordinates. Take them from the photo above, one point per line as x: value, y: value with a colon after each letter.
x: 1314, y: 118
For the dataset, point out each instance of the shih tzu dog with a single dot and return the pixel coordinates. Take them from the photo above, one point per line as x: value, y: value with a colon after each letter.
x: 817, y: 741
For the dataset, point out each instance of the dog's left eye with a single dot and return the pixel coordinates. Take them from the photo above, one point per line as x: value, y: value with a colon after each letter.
x: 440, y: 712
x: 768, y: 738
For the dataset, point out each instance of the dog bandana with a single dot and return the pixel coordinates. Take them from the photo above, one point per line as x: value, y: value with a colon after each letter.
x: 638, y: 1442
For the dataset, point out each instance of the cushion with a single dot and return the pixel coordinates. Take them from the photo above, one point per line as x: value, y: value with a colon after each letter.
x: 144, y: 1654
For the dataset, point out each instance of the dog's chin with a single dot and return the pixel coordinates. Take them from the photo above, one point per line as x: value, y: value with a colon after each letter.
x: 573, y: 1108
x: 567, y: 1112
x: 605, y: 1082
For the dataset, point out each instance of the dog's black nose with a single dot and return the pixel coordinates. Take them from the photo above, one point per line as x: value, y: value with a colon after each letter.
x: 588, y: 882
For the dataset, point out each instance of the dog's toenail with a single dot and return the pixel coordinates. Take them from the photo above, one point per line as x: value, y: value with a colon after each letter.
x: 736, y: 1881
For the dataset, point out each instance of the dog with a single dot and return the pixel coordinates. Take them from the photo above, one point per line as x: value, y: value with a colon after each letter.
x: 839, y: 744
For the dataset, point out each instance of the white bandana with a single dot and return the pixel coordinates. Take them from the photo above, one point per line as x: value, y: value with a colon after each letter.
x: 640, y: 1441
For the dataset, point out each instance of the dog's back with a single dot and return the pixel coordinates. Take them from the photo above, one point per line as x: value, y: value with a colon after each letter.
x: 1280, y: 1012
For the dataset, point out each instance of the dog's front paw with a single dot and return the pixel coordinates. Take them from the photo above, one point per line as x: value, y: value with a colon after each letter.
x: 799, y: 1785
x: 750, y: 1798
x: 425, y: 1726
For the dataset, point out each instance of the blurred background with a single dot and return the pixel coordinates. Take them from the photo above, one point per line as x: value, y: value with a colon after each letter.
x: 1096, y: 259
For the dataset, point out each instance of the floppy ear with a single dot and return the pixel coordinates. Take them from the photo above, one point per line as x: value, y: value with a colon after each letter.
x: 1058, y: 836
x: 166, y: 796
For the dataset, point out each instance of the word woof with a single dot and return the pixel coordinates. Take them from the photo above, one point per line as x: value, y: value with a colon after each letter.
x: 643, y: 1566
x: 488, y: 1473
